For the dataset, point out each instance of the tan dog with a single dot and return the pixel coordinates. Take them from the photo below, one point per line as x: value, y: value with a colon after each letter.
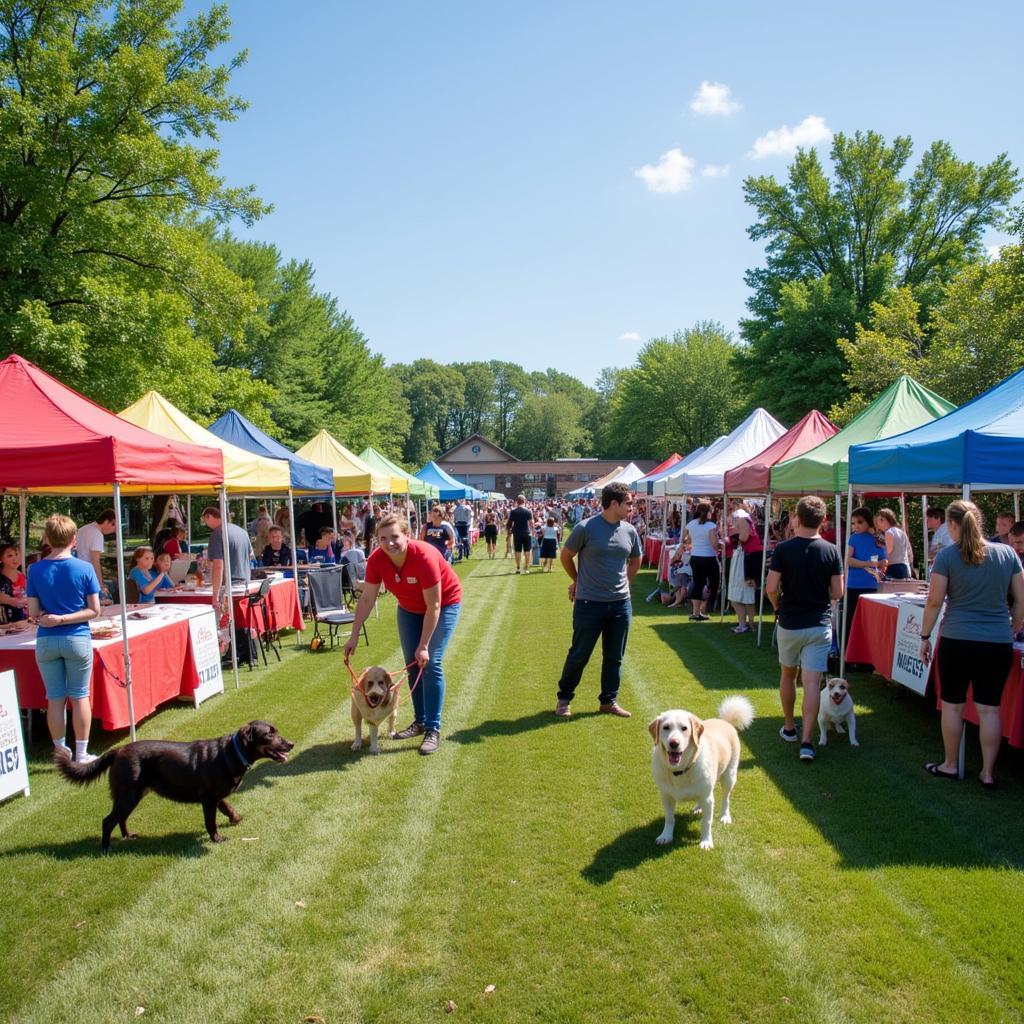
x: 836, y: 706
x: 374, y: 699
x: 691, y: 755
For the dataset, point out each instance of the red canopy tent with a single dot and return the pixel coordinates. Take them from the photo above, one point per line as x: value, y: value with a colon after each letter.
x: 55, y: 441
x: 752, y: 477
x: 670, y: 461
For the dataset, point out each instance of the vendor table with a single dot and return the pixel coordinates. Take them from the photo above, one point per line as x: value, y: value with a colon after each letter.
x: 282, y: 600
x: 873, y: 639
x: 163, y: 666
x: 474, y: 535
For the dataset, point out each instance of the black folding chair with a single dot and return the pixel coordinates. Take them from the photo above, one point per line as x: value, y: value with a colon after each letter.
x: 266, y: 637
x: 348, y: 584
x: 327, y: 604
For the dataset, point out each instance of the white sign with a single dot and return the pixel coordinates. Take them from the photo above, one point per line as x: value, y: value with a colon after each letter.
x: 907, y: 666
x: 202, y: 631
x: 13, y: 766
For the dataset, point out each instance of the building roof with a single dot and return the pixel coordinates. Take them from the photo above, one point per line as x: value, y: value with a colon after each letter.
x: 486, y: 446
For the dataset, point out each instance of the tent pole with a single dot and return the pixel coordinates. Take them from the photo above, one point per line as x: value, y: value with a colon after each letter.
x: 119, y: 535
x: 1016, y: 506
x: 295, y: 557
x: 764, y: 561
x: 925, y: 568
x: 188, y: 521
x: 245, y: 515
x: 334, y: 514
x: 725, y: 535
x: 903, y: 522
x: 226, y: 582
x: 22, y: 529
x: 966, y: 493
x: 846, y: 600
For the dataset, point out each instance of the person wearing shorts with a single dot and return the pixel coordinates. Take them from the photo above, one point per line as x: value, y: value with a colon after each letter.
x: 520, y: 525
x: 805, y: 577
x: 63, y: 595
x: 972, y: 577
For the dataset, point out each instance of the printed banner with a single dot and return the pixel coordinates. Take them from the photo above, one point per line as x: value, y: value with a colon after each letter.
x: 13, y: 766
x: 907, y: 666
x: 206, y: 652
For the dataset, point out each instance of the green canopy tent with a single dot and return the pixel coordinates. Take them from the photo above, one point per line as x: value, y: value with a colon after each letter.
x: 905, y: 404
x: 417, y: 488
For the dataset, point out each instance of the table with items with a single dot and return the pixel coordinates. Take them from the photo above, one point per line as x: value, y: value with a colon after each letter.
x: 162, y: 644
x: 282, y: 602
x: 874, y: 640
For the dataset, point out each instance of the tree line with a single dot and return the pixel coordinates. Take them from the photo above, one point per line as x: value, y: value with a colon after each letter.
x: 120, y: 272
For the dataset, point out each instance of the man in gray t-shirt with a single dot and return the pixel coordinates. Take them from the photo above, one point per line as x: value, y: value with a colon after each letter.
x: 239, y: 551
x: 602, y: 557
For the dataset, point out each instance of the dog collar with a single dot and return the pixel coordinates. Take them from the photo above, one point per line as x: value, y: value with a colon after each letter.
x: 683, y: 771
x: 238, y: 753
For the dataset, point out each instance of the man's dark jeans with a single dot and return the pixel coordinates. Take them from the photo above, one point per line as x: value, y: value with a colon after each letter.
x: 608, y: 620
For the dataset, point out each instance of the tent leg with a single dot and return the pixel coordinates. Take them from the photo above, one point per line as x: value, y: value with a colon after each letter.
x: 846, y: 545
x: 22, y: 529
x: 764, y: 562
x: 1016, y: 506
x: 226, y: 582
x: 188, y: 520
x: 295, y: 557
x: 966, y: 493
x: 334, y: 515
x: 925, y: 568
x: 725, y: 582
x: 119, y: 535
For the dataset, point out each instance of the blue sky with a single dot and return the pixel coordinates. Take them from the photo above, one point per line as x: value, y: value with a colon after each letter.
x: 464, y: 176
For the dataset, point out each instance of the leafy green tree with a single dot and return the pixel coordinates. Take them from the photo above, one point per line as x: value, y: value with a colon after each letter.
x: 511, y: 386
x: 476, y: 412
x: 432, y: 391
x: 866, y: 230
x: 680, y: 394
x: 548, y: 427
x: 103, y: 111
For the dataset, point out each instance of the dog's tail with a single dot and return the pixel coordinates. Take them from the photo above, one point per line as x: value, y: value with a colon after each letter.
x: 737, y: 711
x: 82, y: 774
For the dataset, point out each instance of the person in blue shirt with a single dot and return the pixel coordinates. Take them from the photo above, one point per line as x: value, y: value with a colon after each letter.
x: 864, y: 558
x: 323, y: 550
x: 147, y: 578
x: 63, y: 595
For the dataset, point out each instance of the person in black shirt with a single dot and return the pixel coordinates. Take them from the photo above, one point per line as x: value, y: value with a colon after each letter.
x: 520, y: 523
x: 276, y: 552
x: 806, y: 576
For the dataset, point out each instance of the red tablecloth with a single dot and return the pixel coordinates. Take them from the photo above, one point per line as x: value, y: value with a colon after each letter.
x: 652, y: 549
x: 873, y: 641
x: 162, y: 669
x: 474, y: 534
x: 283, y: 601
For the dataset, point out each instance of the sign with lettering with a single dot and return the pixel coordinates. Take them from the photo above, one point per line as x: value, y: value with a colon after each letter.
x: 907, y: 666
x: 206, y: 654
x: 13, y: 766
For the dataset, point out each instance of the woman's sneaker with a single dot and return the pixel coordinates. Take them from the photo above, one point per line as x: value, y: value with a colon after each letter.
x: 416, y: 729
x: 806, y: 752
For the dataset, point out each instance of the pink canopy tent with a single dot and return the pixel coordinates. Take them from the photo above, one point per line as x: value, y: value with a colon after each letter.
x: 56, y: 441
x: 753, y: 476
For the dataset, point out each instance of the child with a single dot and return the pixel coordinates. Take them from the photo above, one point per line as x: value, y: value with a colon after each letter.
x: 548, y: 545
x: 148, y: 580
x: 323, y: 550
x: 13, y: 601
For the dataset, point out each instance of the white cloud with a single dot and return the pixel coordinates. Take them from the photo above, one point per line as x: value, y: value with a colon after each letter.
x: 784, y: 141
x: 631, y: 336
x: 672, y: 173
x: 714, y: 170
x: 714, y: 98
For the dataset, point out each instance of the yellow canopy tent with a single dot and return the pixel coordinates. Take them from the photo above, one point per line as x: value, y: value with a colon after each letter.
x: 351, y: 474
x: 244, y: 472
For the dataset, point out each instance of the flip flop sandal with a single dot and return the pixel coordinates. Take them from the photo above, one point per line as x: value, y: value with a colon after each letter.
x: 932, y: 768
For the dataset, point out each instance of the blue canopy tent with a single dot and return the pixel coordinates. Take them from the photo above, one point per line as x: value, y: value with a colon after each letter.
x: 306, y: 477
x: 450, y: 488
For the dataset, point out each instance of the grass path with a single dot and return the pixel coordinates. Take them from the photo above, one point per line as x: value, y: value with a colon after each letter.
x: 522, y: 856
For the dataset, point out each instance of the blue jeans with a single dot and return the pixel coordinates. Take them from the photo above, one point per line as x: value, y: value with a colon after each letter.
x: 65, y: 663
x: 608, y: 620
x: 428, y: 697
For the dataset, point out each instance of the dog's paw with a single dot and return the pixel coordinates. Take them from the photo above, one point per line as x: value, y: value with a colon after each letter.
x: 697, y: 811
x: 131, y: 835
x: 726, y: 819
x: 218, y: 838
x: 854, y: 743
x: 374, y: 750
x: 664, y: 839
x: 823, y: 740
x: 236, y: 820
x: 707, y: 844
x: 358, y: 745
x: 840, y: 728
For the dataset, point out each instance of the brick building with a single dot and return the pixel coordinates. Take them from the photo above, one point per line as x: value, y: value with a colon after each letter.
x: 481, y: 463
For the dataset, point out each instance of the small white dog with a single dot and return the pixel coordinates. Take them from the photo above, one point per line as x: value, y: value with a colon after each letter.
x: 836, y: 707
x: 374, y: 699
x: 691, y: 755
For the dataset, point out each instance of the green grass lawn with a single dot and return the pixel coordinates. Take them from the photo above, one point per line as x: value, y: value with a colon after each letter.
x: 522, y: 856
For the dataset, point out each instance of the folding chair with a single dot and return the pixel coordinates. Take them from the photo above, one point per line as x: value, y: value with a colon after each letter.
x: 267, y: 636
x: 348, y: 584
x: 327, y: 604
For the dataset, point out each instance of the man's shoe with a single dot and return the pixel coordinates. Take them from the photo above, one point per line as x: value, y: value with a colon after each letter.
x: 806, y: 752
x: 416, y: 729
x: 562, y: 709
x: 431, y: 741
x: 789, y: 735
x: 615, y: 709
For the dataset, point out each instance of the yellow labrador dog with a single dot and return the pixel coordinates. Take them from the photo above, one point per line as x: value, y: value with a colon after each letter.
x: 374, y: 699
x: 691, y: 755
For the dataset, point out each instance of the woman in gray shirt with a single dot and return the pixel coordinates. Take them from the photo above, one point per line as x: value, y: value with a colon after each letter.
x: 973, y: 578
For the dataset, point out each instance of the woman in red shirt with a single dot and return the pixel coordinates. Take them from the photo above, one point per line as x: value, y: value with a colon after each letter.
x: 429, y: 595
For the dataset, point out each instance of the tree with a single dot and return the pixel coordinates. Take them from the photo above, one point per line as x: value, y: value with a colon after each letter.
x: 867, y: 230
x: 432, y: 391
x: 511, y: 385
x: 101, y: 107
x: 680, y: 394
x: 547, y: 427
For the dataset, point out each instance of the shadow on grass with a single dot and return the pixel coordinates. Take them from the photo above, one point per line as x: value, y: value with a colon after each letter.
x: 631, y: 849
x: 177, y: 844
x: 515, y: 726
x: 335, y: 756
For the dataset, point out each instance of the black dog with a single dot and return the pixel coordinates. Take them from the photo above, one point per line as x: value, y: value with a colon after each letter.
x: 201, y: 772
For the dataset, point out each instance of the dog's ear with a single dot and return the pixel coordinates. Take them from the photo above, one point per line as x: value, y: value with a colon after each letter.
x: 388, y: 681
x: 362, y: 676
x: 696, y: 728
x: 653, y: 728
x: 245, y: 733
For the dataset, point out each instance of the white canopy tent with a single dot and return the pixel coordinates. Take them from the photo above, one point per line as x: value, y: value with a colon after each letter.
x: 660, y: 487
